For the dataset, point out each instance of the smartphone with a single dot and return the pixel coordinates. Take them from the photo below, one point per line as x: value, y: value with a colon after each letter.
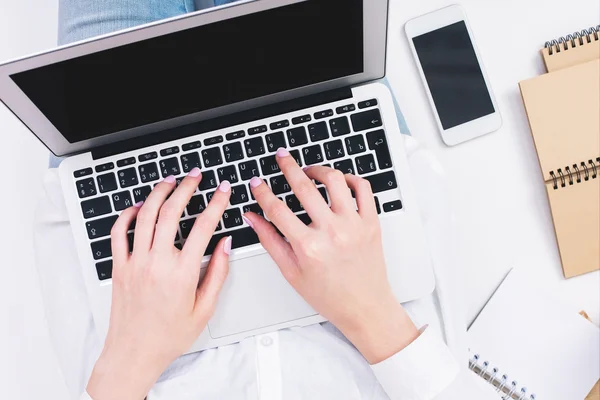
x: 453, y: 75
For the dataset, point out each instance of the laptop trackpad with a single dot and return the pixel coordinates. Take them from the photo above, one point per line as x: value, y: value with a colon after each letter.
x: 255, y: 296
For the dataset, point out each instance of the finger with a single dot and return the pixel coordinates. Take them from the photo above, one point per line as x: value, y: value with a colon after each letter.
x: 146, y: 220
x: 339, y: 193
x: 304, y: 189
x: 118, y: 234
x: 365, y: 199
x: 208, y: 292
x: 280, y: 250
x: 276, y: 210
x: 170, y: 212
x: 206, y: 223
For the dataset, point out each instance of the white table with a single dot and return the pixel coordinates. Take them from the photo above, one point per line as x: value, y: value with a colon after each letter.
x: 502, y: 214
x: 500, y: 203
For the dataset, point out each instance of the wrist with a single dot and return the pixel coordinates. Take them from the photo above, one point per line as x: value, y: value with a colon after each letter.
x: 382, y: 331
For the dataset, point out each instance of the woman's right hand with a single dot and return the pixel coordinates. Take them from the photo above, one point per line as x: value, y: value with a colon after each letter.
x: 336, y: 264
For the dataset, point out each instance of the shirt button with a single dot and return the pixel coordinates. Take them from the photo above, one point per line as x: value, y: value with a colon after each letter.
x: 266, y: 341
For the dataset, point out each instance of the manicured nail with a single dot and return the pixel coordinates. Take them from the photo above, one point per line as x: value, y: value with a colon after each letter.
x: 139, y: 205
x: 247, y: 221
x: 194, y: 173
x: 281, y: 152
x: 225, y: 186
x: 255, y: 182
x: 169, y: 179
x: 227, y: 246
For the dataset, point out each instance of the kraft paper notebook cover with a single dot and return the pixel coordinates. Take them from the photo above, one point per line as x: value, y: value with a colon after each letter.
x: 576, y: 48
x: 563, y: 108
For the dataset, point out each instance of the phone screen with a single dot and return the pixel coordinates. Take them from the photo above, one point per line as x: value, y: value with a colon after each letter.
x: 453, y: 75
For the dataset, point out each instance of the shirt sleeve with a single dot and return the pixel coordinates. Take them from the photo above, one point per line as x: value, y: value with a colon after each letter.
x: 420, y: 371
x: 85, y: 396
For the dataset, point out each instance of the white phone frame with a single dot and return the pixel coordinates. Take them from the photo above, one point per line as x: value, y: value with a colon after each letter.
x: 431, y: 22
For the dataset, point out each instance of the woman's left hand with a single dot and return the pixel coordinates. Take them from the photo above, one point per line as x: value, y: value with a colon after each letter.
x: 158, y: 310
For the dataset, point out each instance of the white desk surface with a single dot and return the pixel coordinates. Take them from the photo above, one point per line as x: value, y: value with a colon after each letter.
x: 500, y: 203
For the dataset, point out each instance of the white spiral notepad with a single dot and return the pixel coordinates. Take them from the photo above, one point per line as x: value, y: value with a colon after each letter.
x: 531, y: 346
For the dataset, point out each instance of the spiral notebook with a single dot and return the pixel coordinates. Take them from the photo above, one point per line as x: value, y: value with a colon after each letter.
x: 530, y: 346
x: 563, y: 107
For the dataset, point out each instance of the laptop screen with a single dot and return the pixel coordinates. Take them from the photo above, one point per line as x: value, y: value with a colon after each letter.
x: 199, y: 68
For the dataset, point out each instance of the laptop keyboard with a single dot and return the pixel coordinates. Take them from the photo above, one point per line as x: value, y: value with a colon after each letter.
x: 350, y: 138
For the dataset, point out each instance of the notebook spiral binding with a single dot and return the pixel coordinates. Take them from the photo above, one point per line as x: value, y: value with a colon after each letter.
x: 509, y: 390
x: 575, y: 174
x: 585, y: 35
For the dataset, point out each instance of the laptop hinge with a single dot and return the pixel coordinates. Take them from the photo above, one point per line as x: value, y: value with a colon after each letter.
x: 221, y: 122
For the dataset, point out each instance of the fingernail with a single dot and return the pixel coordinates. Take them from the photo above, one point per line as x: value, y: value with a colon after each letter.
x: 247, y: 221
x: 225, y: 186
x: 227, y: 246
x: 194, y: 173
x: 255, y: 182
x: 169, y: 179
x: 139, y: 205
x: 281, y: 152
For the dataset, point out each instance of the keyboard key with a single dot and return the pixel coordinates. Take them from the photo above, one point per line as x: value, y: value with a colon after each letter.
x: 305, y: 218
x: 255, y: 208
x: 169, y: 166
x: 82, y: 172
x: 122, y: 200
x: 279, y: 125
x: 240, y: 238
x: 323, y: 192
x: 257, y: 129
x: 239, y: 195
x: 148, y: 156
x: 86, y: 188
x: 101, y: 249
x: 269, y: 166
x: 392, y: 206
x: 378, y: 142
x: 104, y: 270
x: 382, y: 182
x: 365, y: 164
x: 235, y: 135
x: 297, y: 136
x: 366, y: 120
x: 254, y: 147
x: 126, y: 162
x: 196, y: 205
x: 186, y: 227
x: 179, y: 246
x: 355, y: 144
x: 107, y: 182
x: 280, y: 185
x: 148, y: 172
x: 248, y: 170
x: 334, y: 150
x: 127, y: 177
x: 233, y: 152
x: 227, y: 173
x: 212, y: 157
x: 232, y: 218
x: 312, y: 154
x: 345, y: 109
x: 345, y: 166
x: 323, y: 114
x: 96, y: 207
x: 339, y: 126
x: 104, y: 167
x: 275, y: 141
x: 318, y: 131
x: 367, y: 104
x: 213, y: 140
x: 130, y: 241
x: 169, y: 151
x: 293, y: 203
x: 208, y: 181
x: 191, y: 146
x: 296, y: 155
x: 100, y: 227
x: 209, y: 196
x: 377, y: 205
x: 301, y: 119
x: 141, y: 193
x: 190, y: 161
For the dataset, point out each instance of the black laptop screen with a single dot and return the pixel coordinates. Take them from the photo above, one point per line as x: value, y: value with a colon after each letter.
x: 199, y: 69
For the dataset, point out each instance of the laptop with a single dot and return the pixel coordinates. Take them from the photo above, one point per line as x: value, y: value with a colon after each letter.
x: 222, y: 90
